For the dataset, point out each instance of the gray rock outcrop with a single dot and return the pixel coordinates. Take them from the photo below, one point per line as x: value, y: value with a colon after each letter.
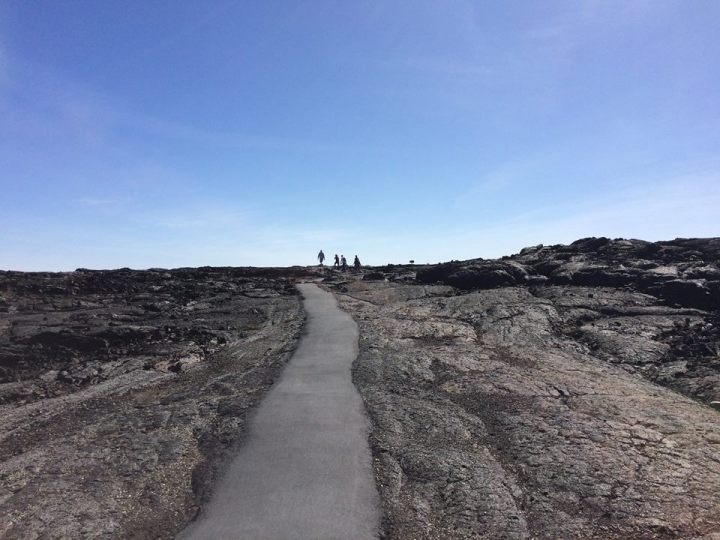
x: 565, y: 392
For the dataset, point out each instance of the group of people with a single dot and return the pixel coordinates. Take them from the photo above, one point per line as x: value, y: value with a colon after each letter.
x: 340, y: 262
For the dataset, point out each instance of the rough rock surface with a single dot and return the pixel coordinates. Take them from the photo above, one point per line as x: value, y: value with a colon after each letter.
x: 122, y: 391
x: 565, y: 402
x: 563, y: 392
x: 684, y: 272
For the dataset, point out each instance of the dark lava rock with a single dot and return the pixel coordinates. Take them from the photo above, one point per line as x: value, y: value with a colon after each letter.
x: 586, y: 245
x: 475, y: 274
x: 111, y: 391
x: 68, y: 340
x: 597, y: 276
x: 688, y: 293
x: 684, y: 272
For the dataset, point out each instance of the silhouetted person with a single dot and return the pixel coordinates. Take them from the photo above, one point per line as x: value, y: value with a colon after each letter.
x: 356, y: 264
x: 321, y: 257
x: 343, y: 263
x: 337, y: 261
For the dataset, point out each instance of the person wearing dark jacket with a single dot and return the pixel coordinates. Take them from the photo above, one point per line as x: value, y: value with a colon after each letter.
x: 356, y: 264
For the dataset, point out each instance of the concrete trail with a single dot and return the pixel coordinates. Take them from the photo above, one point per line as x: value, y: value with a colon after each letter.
x: 305, y: 469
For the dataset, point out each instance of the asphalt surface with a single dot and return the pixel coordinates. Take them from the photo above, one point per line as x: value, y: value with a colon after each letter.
x: 304, y: 470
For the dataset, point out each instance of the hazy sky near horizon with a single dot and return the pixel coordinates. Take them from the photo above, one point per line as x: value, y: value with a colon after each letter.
x: 171, y: 133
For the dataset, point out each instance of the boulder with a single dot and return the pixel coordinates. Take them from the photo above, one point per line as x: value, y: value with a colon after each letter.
x: 702, y: 272
x: 689, y: 293
x: 478, y: 275
x: 50, y: 376
x: 436, y: 273
x: 600, y: 276
x: 590, y: 244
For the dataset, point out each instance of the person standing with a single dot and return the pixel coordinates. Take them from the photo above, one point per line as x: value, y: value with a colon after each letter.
x: 321, y: 257
x: 343, y: 263
x: 356, y: 264
x: 337, y: 261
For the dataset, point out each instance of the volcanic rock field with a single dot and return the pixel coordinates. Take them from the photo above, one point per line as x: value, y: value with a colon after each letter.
x: 563, y: 392
x: 122, y: 391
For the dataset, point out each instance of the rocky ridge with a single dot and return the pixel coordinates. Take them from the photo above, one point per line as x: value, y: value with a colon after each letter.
x: 682, y: 272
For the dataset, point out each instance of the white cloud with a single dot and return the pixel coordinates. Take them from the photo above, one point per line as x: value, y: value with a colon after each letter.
x: 38, y: 102
x: 504, y: 177
x: 95, y: 202
x: 560, y: 33
x: 490, y: 184
x: 200, y: 219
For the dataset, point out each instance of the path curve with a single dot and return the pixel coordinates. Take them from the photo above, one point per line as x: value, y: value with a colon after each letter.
x: 305, y: 469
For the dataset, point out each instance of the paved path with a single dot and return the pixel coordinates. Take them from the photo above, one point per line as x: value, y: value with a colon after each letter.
x: 305, y: 469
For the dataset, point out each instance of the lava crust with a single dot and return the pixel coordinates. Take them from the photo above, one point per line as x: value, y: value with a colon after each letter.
x: 564, y: 392
x: 122, y: 392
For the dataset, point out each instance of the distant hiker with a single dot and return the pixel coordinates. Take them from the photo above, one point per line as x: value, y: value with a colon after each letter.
x: 321, y: 257
x: 356, y: 264
x: 343, y: 263
x: 337, y: 261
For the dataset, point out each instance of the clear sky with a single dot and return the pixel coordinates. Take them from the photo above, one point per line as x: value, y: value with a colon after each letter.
x: 165, y: 133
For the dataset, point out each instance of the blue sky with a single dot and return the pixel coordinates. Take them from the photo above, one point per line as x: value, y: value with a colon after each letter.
x: 181, y: 133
